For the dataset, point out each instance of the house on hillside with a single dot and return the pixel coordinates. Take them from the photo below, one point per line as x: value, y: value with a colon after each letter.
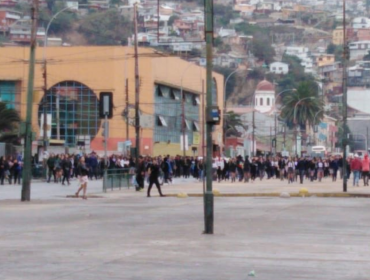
x: 279, y: 68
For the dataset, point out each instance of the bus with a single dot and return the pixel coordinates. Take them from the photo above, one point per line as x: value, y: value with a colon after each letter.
x: 318, y: 151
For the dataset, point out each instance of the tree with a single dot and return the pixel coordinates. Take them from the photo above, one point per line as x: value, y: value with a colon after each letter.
x: 9, y: 123
x: 262, y: 49
x: 307, y: 103
x: 172, y: 19
x: 106, y: 28
x: 232, y: 122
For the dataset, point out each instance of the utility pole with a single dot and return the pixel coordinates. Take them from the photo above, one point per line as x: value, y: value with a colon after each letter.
x: 253, y: 124
x: 203, y: 122
x: 183, y: 122
x: 275, y: 134
x: 45, y: 117
x: 208, y: 196
x: 127, y: 113
x: 345, y: 62
x: 137, y: 89
x: 26, y: 182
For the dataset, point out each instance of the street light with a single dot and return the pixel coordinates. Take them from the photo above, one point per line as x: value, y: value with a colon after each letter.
x: 295, y: 122
x: 314, y: 123
x: 225, y: 87
x: 45, y: 73
x: 276, y: 98
x: 183, y: 110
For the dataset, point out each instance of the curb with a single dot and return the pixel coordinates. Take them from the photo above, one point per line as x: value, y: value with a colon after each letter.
x: 327, y: 195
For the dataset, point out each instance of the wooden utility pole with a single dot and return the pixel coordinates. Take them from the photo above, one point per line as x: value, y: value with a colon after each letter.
x: 137, y: 89
x: 26, y: 182
x: 344, y: 101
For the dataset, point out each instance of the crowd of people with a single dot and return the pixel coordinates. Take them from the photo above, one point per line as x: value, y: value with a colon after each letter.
x: 158, y: 170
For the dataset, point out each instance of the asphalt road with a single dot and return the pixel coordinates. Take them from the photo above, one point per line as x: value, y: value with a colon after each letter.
x: 134, y: 237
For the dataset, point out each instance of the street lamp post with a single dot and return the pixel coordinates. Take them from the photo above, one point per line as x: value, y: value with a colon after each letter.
x: 45, y: 74
x: 276, y: 98
x: 183, y: 121
x: 314, y: 123
x: 224, y: 123
x: 295, y: 122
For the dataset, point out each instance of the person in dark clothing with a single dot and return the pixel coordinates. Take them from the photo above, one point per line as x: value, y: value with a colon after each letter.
x: 15, y: 170
x: 247, y: 169
x: 140, y: 173
x: 301, y: 167
x: 153, y: 178
x: 93, y: 167
x: 66, y: 167
x: 2, y: 170
x: 51, y: 166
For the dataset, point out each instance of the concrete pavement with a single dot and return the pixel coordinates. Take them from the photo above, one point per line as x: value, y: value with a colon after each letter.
x: 160, y: 239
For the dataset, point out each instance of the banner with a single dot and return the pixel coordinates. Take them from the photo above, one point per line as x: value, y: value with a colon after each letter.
x: 182, y: 142
x: 196, y: 138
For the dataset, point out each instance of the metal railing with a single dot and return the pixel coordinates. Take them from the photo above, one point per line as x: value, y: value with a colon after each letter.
x: 116, y: 178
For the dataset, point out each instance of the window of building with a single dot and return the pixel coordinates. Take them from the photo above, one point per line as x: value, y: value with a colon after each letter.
x: 161, y: 121
x: 175, y: 94
x: 196, y: 126
x: 188, y: 124
x: 7, y: 93
x: 268, y: 101
x: 77, y: 113
x: 261, y: 101
x: 196, y: 100
x: 159, y: 91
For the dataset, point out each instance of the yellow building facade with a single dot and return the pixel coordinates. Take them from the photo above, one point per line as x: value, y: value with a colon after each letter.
x: 77, y: 75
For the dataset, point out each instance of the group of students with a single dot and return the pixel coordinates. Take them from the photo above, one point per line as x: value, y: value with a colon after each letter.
x: 291, y: 169
x: 11, y: 169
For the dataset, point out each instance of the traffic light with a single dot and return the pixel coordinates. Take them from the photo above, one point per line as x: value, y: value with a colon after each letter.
x: 106, y: 105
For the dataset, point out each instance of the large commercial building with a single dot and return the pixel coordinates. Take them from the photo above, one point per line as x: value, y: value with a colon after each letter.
x: 75, y: 77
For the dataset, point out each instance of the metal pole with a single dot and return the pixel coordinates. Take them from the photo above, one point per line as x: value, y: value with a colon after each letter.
x: 275, y: 149
x: 45, y: 129
x: 137, y: 89
x: 345, y: 62
x: 26, y: 182
x: 183, y: 123
x: 127, y: 113
x: 208, y: 197
x: 253, y: 124
x: 203, y: 124
x: 106, y: 139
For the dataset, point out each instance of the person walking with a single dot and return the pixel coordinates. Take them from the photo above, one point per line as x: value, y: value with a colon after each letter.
x: 83, y: 173
x: 356, y: 169
x: 66, y: 166
x: 140, y: 172
x: 365, y: 169
x: 153, y: 178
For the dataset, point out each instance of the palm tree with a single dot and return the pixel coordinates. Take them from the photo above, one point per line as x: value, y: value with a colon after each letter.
x: 232, y: 122
x: 307, y: 103
x: 9, y: 123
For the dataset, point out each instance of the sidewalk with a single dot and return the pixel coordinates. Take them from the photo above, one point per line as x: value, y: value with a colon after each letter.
x: 43, y: 190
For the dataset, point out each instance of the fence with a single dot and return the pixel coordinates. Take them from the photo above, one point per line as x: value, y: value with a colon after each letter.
x: 116, y: 178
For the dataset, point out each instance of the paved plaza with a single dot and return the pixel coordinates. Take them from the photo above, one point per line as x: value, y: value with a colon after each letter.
x: 125, y: 235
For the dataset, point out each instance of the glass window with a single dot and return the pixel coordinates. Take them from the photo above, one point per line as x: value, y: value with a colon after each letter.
x: 268, y: 101
x: 7, y: 93
x: 78, y: 112
x: 261, y: 101
x: 196, y: 126
x: 161, y: 121
x: 188, y: 124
